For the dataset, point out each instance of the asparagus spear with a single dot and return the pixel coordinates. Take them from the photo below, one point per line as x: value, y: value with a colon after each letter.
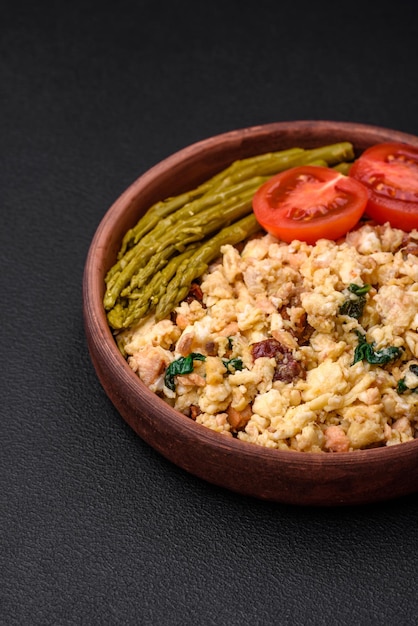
x: 144, y: 300
x: 159, y: 211
x: 343, y: 167
x: 239, y: 170
x: 179, y: 229
x: 193, y: 267
x: 195, y: 228
x: 274, y: 162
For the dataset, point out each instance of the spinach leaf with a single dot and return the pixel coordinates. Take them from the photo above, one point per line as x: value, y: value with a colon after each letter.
x: 359, y: 290
x: 182, y: 365
x: 402, y: 387
x: 353, y: 306
x: 233, y: 365
x: 366, y: 352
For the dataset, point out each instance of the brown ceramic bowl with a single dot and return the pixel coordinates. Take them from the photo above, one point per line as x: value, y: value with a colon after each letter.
x: 289, y: 477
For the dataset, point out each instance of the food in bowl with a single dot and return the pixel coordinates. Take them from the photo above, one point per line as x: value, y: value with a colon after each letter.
x: 289, y: 345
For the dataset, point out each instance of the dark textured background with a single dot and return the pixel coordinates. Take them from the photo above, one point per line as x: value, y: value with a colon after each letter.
x: 97, y: 528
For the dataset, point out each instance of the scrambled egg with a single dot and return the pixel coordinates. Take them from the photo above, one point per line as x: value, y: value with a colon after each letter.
x: 283, y: 361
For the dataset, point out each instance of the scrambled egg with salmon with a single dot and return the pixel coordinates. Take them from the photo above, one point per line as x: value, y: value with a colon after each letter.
x: 300, y: 347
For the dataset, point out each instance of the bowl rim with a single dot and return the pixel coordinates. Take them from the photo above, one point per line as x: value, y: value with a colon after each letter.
x: 102, y: 345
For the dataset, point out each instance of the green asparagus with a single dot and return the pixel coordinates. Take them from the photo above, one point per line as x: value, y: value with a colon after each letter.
x: 191, y: 268
x: 174, y: 233
x: 145, y: 299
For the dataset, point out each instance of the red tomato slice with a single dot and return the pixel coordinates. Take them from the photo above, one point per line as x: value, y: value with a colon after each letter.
x: 309, y: 203
x: 390, y: 173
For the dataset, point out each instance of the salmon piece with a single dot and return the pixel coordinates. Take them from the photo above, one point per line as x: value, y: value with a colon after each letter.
x: 184, y: 346
x: 182, y: 321
x: 238, y: 419
x: 192, y: 380
x: 336, y: 440
x: 150, y: 363
x: 231, y: 329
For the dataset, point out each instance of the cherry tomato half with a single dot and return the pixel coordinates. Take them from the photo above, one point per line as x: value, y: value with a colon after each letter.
x: 390, y: 173
x: 309, y: 203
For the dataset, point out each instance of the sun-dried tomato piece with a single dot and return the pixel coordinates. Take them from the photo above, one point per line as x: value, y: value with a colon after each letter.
x: 287, y: 367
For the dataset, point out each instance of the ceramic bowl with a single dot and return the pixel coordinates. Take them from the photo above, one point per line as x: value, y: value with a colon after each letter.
x: 328, y: 479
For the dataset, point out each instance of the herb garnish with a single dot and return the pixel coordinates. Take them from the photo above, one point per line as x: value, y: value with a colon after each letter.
x: 402, y: 387
x: 365, y: 351
x: 354, y: 305
x: 182, y: 365
x: 233, y: 365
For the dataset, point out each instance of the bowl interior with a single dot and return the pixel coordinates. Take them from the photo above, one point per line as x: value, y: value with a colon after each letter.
x: 293, y: 477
